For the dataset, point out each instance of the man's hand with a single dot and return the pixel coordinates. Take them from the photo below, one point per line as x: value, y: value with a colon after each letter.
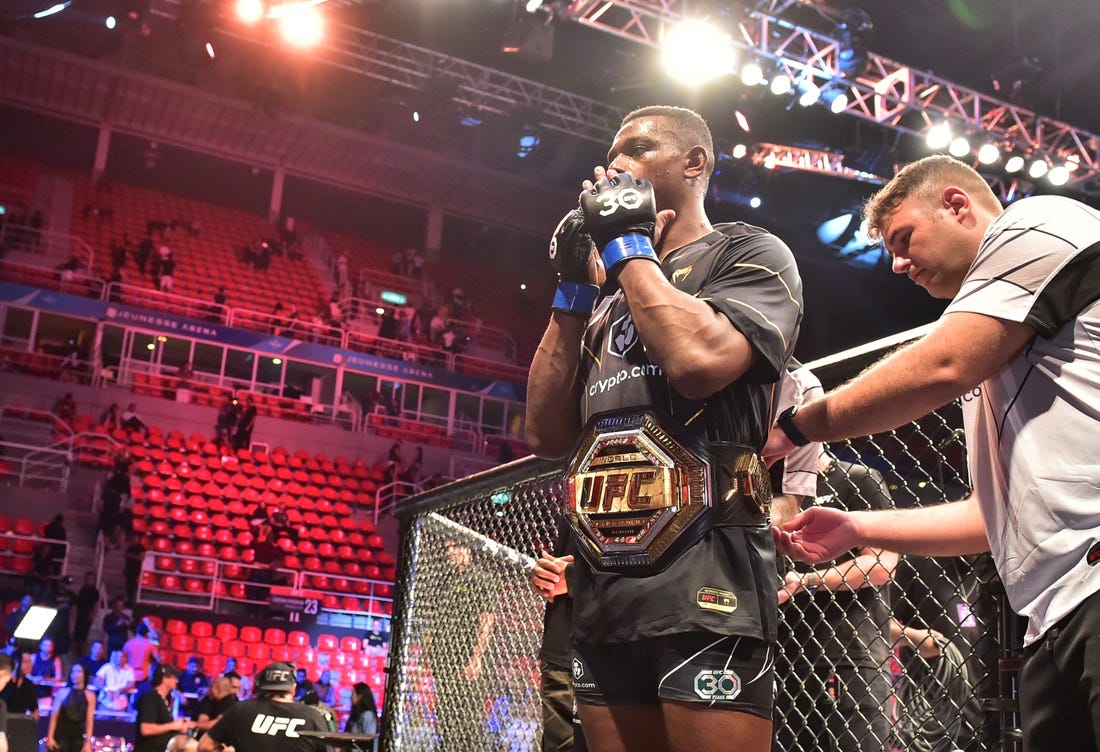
x: 819, y: 534
x: 473, y: 668
x: 621, y: 215
x: 548, y: 575
x: 571, y: 250
x: 777, y: 446
x: 792, y: 584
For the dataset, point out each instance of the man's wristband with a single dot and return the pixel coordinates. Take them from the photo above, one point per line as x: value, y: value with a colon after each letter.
x: 810, y: 582
x: 785, y: 421
x: 626, y: 247
x: 575, y: 298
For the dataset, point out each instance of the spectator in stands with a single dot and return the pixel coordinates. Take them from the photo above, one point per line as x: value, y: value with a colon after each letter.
x: 167, y: 270
x: 262, y: 257
x: 226, y: 424
x: 55, y: 530
x: 335, y: 315
x: 46, y: 671
x: 411, y: 473
x: 193, y: 683
x: 302, y: 684
x: 242, y: 436
x: 93, y: 662
x: 119, y: 251
x: 86, y: 608
x: 21, y: 694
x: 416, y: 327
x: 376, y: 638
x: 116, y: 625
x: 363, y: 717
x: 17, y: 615
x: 135, y: 555
x: 155, y: 724
x: 65, y: 408
x: 111, y: 418
x: 144, y: 251
x: 219, y: 697
x: 415, y: 263
x: 325, y: 689
x: 220, y: 303
x: 342, y: 270
x: 397, y: 262
x: 241, y: 685
x: 311, y: 699
x: 395, y: 462
x: 131, y: 421
x: 267, y: 556
x: 73, y: 715
x: 141, y: 652
x: 41, y: 582
x: 116, y: 682
x: 35, y: 225
x: 387, y: 327
x: 435, y: 328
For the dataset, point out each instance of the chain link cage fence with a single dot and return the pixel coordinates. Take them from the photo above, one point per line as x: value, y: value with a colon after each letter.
x: 904, y: 654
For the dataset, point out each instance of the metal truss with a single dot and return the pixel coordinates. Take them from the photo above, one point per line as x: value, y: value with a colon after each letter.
x: 779, y: 156
x: 885, y: 92
x: 477, y: 87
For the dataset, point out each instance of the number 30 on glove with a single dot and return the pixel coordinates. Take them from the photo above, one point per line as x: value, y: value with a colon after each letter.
x: 620, y: 214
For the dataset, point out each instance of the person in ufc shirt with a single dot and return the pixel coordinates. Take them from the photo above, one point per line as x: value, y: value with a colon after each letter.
x: 270, y: 721
x: 697, y: 324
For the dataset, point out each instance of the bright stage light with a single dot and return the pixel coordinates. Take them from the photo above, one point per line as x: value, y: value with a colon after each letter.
x: 1015, y: 163
x: 1038, y: 168
x: 839, y: 103
x: 111, y: 22
x: 53, y: 9
x: 811, y: 92
x: 988, y: 153
x: 959, y: 147
x: 752, y: 74
x: 1058, y: 175
x: 532, y: 5
x: 302, y: 27
x: 938, y: 136
x: 250, y: 11
x: 756, y: 202
x: 781, y: 84
x: 695, y: 52
x: 739, y: 151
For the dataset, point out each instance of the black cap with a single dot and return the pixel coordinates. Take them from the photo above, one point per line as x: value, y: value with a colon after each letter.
x: 161, y: 671
x: 276, y: 677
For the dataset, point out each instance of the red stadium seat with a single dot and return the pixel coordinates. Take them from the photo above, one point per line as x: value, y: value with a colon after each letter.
x: 350, y: 644
x: 298, y: 639
x: 202, y: 629
x: 182, y: 643
x: 258, y: 652
x: 226, y: 631
x: 208, y: 646
x: 250, y: 633
x: 328, y: 643
x: 283, y: 653
x: 233, y: 649
x: 274, y: 636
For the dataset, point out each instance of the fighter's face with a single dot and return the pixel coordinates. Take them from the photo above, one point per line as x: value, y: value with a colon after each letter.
x: 647, y: 148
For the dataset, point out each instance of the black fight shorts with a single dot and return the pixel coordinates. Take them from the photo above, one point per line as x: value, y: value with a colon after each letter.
x: 720, y: 671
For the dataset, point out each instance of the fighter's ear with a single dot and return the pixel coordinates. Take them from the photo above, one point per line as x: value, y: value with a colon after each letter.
x: 696, y: 162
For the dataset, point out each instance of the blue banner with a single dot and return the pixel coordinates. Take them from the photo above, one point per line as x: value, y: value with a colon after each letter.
x: 167, y: 324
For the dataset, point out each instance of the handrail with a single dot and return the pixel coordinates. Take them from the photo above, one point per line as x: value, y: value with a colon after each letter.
x: 296, y: 579
x: 21, y: 235
x: 179, y: 305
x: 387, y: 496
x: 72, y: 283
x: 35, y: 540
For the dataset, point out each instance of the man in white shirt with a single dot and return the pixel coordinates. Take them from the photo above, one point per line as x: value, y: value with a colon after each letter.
x: 116, y: 680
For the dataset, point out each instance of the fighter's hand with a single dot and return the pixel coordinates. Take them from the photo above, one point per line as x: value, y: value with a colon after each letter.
x: 621, y: 216
x: 572, y: 252
x: 819, y: 534
x: 548, y: 575
x: 792, y: 583
x: 777, y: 446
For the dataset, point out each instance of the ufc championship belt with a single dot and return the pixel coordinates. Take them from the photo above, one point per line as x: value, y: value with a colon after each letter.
x: 641, y: 492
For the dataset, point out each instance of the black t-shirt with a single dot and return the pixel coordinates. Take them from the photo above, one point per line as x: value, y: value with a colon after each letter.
x: 152, y: 708
x: 264, y: 724
x: 3, y: 718
x: 117, y: 629
x: 846, y: 628
x: 22, y: 698
x: 213, y: 708
x: 750, y: 277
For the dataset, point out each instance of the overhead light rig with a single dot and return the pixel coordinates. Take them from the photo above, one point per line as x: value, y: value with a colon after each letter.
x: 886, y: 92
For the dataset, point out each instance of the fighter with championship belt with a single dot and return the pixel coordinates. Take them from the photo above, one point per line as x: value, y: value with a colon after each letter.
x: 661, y: 387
